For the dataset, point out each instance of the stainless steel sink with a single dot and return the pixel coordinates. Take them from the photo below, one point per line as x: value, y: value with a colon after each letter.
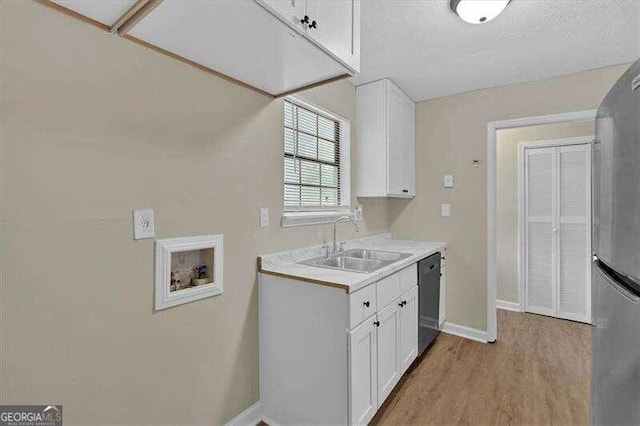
x: 350, y: 264
x: 385, y: 256
x: 357, y: 260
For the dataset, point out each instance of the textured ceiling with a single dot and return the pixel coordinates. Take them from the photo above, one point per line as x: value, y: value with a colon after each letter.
x: 430, y: 52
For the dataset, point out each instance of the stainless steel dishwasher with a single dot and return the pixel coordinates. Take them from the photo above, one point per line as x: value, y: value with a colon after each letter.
x: 429, y: 300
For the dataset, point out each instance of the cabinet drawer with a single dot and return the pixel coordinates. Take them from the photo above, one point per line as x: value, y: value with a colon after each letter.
x: 408, y: 278
x: 362, y: 304
x: 388, y: 289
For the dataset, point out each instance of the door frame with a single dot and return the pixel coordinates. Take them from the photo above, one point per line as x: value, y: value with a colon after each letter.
x: 492, y: 153
x: 522, y: 147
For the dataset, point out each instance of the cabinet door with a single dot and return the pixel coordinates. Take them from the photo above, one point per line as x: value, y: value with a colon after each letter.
x: 336, y: 28
x: 291, y: 11
x: 443, y: 296
x: 388, y: 349
x: 363, y: 373
x: 396, y: 130
x: 408, y: 146
x: 408, y: 328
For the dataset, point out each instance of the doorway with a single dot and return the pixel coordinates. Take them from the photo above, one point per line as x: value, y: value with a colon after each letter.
x: 492, y: 219
x: 554, y: 227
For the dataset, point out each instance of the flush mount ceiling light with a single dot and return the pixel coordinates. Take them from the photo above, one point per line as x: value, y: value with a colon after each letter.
x: 478, y: 11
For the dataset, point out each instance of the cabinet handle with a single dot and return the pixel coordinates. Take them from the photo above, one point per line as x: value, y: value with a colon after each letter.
x: 313, y: 24
x: 401, y: 304
x: 305, y: 20
x: 404, y: 302
x: 404, y: 190
x: 376, y: 323
x: 366, y: 303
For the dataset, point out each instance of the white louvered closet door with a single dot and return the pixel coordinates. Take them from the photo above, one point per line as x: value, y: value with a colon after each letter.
x: 574, y: 238
x: 540, y: 178
x: 557, y: 231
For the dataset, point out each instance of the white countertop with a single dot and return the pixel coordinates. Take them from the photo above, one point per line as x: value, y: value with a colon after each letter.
x: 286, y: 263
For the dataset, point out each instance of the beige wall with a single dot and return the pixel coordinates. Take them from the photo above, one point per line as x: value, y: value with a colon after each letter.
x: 450, y: 133
x: 93, y: 127
x: 507, y: 195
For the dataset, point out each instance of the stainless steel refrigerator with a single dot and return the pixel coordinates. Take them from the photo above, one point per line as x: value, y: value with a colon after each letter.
x: 615, y: 382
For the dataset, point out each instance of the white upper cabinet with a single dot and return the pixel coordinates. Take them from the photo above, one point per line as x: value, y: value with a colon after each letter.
x: 335, y: 26
x: 385, y: 147
x: 290, y: 11
x: 332, y: 25
x: 272, y: 46
x: 408, y: 147
x: 395, y: 133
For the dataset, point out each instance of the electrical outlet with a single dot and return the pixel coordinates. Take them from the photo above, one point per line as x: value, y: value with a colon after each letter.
x: 446, y: 210
x: 143, y: 224
x: 447, y: 182
x: 264, y: 217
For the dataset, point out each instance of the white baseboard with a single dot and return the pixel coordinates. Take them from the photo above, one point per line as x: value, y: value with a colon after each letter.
x: 509, y: 306
x: 463, y: 331
x: 249, y: 417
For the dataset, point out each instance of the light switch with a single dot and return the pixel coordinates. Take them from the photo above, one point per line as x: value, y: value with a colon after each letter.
x: 446, y: 210
x: 143, y: 224
x: 448, y: 181
x: 264, y: 217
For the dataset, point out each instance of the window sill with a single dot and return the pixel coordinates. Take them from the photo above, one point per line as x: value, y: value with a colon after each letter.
x: 290, y: 219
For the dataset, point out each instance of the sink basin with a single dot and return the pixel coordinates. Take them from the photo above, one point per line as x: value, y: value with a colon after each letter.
x: 357, y: 260
x: 384, y: 256
x: 349, y: 263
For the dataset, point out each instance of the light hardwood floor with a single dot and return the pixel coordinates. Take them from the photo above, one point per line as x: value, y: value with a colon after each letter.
x: 537, y: 372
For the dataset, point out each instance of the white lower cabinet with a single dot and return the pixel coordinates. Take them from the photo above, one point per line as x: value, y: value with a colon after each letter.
x: 443, y: 296
x: 331, y: 357
x: 381, y: 349
x: 388, y: 323
x: 363, y: 372
x: 408, y: 328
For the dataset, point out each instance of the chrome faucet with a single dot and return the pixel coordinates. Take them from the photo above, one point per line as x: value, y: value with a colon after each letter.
x: 335, y: 226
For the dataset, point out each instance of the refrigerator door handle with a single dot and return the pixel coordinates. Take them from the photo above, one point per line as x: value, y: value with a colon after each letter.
x: 625, y: 285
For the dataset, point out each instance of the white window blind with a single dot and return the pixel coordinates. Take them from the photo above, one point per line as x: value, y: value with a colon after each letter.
x: 311, y: 159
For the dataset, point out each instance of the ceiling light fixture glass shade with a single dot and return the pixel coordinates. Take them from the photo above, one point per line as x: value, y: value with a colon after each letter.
x: 478, y: 11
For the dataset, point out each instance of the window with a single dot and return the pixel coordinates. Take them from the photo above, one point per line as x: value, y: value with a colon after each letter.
x: 316, y: 172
